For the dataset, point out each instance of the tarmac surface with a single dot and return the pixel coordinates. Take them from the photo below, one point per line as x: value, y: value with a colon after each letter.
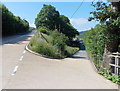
x: 24, y: 70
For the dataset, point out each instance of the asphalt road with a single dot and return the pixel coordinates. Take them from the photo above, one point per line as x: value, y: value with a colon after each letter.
x: 23, y: 70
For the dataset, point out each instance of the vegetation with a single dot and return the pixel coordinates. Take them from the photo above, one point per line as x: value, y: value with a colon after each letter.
x: 104, y: 39
x: 49, y: 44
x: 95, y: 44
x: 54, y: 31
x: 12, y: 24
x: 50, y: 18
x: 109, y: 17
x: 81, y: 35
x: 113, y: 78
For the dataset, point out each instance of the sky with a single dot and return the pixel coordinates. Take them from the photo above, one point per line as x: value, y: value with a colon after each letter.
x: 29, y: 11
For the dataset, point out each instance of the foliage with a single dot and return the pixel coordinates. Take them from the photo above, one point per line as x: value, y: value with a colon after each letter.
x: 94, y: 40
x: 104, y: 39
x: 43, y: 30
x: 59, y: 41
x: 113, y: 78
x: 40, y: 46
x: 65, y: 19
x: 70, y: 50
x: 12, y: 24
x: 52, y: 45
x: 50, y: 18
x: 46, y: 17
x: 105, y: 14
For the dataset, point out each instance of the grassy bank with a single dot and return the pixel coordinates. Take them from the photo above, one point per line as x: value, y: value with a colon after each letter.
x: 51, y: 44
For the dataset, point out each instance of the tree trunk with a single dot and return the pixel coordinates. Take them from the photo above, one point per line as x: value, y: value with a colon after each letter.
x: 111, y: 46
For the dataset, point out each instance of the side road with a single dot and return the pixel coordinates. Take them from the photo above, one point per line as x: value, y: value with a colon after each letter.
x: 23, y: 70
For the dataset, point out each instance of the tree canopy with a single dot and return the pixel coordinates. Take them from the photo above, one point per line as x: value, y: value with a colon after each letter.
x: 12, y: 24
x: 105, y: 14
x: 49, y: 17
x: 108, y: 15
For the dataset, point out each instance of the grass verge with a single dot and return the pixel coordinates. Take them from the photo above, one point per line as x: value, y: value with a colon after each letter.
x: 43, y: 44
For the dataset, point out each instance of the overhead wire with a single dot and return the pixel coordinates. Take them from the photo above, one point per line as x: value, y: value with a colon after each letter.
x: 77, y: 9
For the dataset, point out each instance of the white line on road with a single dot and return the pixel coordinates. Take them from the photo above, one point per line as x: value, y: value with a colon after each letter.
x: 21, y: 58
x: 15, y: 70
x: 24, y: 51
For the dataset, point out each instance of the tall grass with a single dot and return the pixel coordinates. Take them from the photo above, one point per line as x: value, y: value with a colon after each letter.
x: 48, y: 45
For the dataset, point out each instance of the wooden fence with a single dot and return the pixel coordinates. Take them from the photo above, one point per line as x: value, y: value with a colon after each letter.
x: 115, y: 63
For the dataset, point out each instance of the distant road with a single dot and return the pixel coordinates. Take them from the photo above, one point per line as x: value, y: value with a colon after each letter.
x: 23, y: 70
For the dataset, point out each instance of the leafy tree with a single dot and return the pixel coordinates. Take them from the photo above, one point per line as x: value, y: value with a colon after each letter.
x: 65, y: 19
x: 109, y: 16
x: 94, y: 40
x: 49, y: 17
x: 12, y: 24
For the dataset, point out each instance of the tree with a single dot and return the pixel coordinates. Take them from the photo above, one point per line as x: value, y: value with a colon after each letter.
x: 65, y: 19
x: 12, y: 24
x: 109, y: 16
x: 49, y: 17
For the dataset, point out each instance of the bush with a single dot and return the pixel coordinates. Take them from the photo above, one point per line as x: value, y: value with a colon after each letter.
x: 52, y: 46
x: 113, y: 78
x: 40, y: 46
x: 43, y: 30
x: 95, y: 43
x: 12, y: 24
x: 70, y: 50
x: 59, y: 41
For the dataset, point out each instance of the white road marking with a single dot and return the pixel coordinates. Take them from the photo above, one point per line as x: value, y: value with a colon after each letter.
x: 24, y: 51
x: 15, y: 70
x: 21, y: 58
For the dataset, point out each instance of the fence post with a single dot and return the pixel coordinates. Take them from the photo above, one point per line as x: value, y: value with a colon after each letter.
x: 115, y: 64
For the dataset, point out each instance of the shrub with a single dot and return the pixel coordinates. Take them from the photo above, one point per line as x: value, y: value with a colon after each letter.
x: 12, y: 24
x: 52, y: 46
x: 95, y: 43
x: 43, y: 30
x: 113, y: 78
x: 38, y: 45
x: 70, y: 50
x: 59, y: 41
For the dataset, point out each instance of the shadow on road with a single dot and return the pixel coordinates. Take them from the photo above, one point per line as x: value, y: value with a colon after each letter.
x: 16, y: 39
x: 77, y: 57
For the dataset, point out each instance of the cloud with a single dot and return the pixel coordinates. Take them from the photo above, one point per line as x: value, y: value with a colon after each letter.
x: 32, y: 25
x: 82, y: 24
x: 78, y: 21
x: 85, y: 29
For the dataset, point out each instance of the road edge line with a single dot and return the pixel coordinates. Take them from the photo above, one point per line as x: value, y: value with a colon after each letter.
x: 26, y: 48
